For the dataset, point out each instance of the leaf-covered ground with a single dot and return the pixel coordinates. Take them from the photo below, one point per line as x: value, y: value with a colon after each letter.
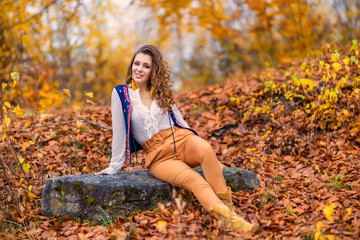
x: 296, y: 126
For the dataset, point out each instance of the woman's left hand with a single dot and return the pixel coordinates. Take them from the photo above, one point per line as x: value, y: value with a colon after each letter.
x: 102, y: 172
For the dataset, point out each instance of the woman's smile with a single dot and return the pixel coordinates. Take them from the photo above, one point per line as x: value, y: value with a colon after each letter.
x: 137, y: 75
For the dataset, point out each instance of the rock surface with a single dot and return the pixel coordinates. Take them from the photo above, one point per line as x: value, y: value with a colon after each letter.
x: 98, y: 197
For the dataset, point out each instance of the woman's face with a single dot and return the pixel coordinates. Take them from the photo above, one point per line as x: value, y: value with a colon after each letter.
x: 141, y: 69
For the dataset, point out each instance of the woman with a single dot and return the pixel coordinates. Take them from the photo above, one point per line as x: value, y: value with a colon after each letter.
x: 144, y: 116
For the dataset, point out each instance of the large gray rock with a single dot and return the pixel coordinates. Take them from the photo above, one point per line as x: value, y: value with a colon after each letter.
x: 97, y: 197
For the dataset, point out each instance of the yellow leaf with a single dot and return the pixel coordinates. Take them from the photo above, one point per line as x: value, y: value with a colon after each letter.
x: 257, y: 109
x: 318, y: 226
x: 4, y: 137
x: 7, y: 104
x: 321, y: 65
x: 221, y: 107
x: 4, y: 108
x: 90, y: 94
x: 161, y: 226
x: 345, y: 112
x: 14, y: 76
x: 43, y: 116
x: 28, y: 122
x: 317, y: 235
x: 0, y: 128
x: 307, y: 82
x: 18, y: 111
x: 59, y: 101
x: 225, y: 151
x: 67, y: 92
x: 26, y: 167
x: 89, y: 101
x: 348, y: 210
x: 337, y: 66
x: 40, y: 155
x: 21, y: 180
x: 79, y: 124
x: 3, y: 86
x: 328, y: 211
x: 346, y: 60
x: 250, y: 149
x: 334, y: 56
x: 13, y: 84
x: 32, y: 195
x: 21, y: 159
x: 7, y: 121
x: 235, y: 100
x: 329, y: 237
x: 24, y: 144
x: 84, y: 168
x: 30, y: 187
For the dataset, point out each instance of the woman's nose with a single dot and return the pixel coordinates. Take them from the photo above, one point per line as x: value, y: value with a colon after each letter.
x: 139, y: 68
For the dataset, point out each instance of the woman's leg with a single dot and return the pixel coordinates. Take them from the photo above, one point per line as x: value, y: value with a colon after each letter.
x: 192, y: 152
x: 181, y: 175
x: 199, y: 152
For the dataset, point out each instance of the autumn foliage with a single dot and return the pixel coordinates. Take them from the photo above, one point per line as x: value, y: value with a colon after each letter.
x: 287, y: 109
x: 297, y: 126
x: 67, y: 44
x: 235, y: 36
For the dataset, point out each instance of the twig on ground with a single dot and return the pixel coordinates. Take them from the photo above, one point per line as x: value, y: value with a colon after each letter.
x: 276, y: 122
x: 61, y: 123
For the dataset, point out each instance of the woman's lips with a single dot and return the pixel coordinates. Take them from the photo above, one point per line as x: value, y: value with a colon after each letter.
x: 138, y: 75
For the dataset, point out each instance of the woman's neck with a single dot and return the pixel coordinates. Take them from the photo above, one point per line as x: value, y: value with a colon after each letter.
x: 143, y: 87
x: 143, y: 90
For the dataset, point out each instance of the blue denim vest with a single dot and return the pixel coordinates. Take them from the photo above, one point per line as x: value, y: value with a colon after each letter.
x: 131, y: 144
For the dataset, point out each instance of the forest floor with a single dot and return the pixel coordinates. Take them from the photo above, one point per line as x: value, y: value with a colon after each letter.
x: 297, y: 126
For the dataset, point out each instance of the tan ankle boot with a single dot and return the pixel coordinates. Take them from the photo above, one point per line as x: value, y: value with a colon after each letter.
x: 231, y: 220
x: 227, y: 199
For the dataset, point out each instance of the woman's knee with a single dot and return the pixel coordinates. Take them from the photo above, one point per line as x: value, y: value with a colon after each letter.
x: 207, y: 148
x: 201, y: 146
x: 207, y: 154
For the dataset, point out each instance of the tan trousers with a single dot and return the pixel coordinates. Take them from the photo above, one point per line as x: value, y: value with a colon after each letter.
x: 192, y: 151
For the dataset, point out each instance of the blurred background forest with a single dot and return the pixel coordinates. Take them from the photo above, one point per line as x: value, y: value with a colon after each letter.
x: 85, y: 45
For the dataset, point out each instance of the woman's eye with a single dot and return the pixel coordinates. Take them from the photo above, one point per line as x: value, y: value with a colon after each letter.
x: 147, y: 66
x: 136, y: 63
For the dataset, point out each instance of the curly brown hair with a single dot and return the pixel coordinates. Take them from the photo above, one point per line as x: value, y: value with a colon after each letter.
x: 159, y: 77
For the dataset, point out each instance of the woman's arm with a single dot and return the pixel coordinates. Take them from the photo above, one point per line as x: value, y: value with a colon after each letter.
x: 179, y: 118
x: 119, y: 136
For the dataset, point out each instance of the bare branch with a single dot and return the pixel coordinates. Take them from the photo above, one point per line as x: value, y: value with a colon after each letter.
x: 32, y: 16
x: 62, y: 123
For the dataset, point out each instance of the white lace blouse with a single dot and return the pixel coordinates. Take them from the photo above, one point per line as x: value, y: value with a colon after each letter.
x: 144, y: 124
